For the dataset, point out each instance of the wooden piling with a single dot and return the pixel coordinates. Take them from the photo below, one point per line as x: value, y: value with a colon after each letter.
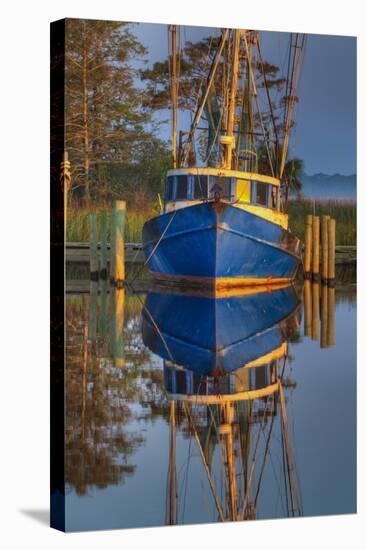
x: 65, y: 178
x: 316, y: 247
x: 315, y: 311
x: 120, y: 218
x: 93, y: 238
x: 307, y: 308
x: 331, y: 317
x: 308, y: 245
x: 325, y: 246
x: 103, y: 245
x: 331, y: 250
x: 324, y: 316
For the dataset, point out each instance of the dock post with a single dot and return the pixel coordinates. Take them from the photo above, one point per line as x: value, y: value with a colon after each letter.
x: 307, y: 308
x: 120, y: 218
x: 315, y: 316
x: 325, y: 246
x: 315, y: 247
x: 93, y: 238
x: 324, y: 316
x: 103, y: 245
x: 65, y: 177
x: 112, y: 257
x: 331, y: 253
x: 308, y: 239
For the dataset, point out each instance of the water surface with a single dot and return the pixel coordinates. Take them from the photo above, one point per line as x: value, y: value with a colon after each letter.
x: 186, y: 409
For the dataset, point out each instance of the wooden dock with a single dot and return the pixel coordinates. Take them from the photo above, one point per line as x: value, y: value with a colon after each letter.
x: 80, y: 252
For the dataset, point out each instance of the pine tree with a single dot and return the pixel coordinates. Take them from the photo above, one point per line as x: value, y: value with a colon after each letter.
x: 106, y: 121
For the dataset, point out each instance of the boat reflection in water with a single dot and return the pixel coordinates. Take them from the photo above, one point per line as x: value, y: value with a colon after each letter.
x: 224, y: 373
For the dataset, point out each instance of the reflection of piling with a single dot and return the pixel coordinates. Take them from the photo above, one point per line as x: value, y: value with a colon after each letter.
x: 112, y: 258
x: 103, y: 245
x: 324, y: 316
x: 331, y: 253
x: 93, y: 237
x: 118, y: 243
x: 324, y: 240
x: 308, y: 239
x: 103, y: 309
x: 308, y: 310
x: 116, y: 343
x: 93, y: 308
x: 315, y: 310
x: 331, y: 317
x: 315, y: 247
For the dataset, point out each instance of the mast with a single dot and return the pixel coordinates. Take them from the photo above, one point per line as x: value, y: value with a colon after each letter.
x: 232, y: 104
x: 174, y: 92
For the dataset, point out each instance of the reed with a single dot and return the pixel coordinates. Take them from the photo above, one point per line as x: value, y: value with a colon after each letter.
x: 77, y: 222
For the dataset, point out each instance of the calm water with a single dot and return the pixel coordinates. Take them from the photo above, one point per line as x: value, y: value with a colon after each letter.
x: 185, y: 409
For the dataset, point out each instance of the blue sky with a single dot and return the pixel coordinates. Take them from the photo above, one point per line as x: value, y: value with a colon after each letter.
x: 325, y: 136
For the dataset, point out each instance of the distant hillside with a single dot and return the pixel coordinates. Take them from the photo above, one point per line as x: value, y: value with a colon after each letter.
x: 325, y: 186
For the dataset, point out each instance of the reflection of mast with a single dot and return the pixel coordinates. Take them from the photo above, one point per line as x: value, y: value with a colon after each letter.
x: 172, y: 465
x: 242, y: 457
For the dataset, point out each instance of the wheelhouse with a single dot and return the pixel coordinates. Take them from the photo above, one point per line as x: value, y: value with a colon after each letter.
x: 184, y: 186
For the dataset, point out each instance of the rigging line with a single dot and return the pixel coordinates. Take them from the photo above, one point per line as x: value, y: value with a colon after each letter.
x: 269, y: 103
x: 258, y: 106
x: 265, y: 458
x: 155, y: 248
x: 284, y: 469
x: 287, y: 449
x: 155, y: 325
x: 253, y: 463
x: 217, y: 502
x: 186, y: 480
x: 198, y: 94
x: 279, y: 497
x: 214, y: 141
x: 295, y: 72
x: 210, y: 79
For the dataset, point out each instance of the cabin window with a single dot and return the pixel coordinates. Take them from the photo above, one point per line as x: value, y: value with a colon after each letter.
x: 243, y: 190
x: 169, y: 189
x: 200, y: 187
x: 273, y: 197
x: 259, y: 193
x: 220, y: 186
x: 182, y: 188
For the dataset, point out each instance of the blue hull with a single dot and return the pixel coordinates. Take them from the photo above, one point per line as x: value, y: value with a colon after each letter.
x: 217, y: 240
x: 209, y: 335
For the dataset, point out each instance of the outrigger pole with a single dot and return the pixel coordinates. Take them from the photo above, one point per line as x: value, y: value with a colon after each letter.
x: 294, y: 60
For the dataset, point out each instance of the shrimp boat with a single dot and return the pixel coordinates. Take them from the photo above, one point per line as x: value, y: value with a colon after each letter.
x: 224, y: 221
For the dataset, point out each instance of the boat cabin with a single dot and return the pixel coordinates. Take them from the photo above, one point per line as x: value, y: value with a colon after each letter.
x: 256, y: 193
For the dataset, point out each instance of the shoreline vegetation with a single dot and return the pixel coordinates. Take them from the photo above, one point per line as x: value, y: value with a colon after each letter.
x: 343, y: 210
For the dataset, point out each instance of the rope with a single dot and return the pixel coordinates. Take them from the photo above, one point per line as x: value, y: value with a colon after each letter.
x: 154, y: 249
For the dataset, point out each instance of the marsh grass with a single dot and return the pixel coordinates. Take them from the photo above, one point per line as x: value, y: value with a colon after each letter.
x: 78, y: 229
x: 343, y: 211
